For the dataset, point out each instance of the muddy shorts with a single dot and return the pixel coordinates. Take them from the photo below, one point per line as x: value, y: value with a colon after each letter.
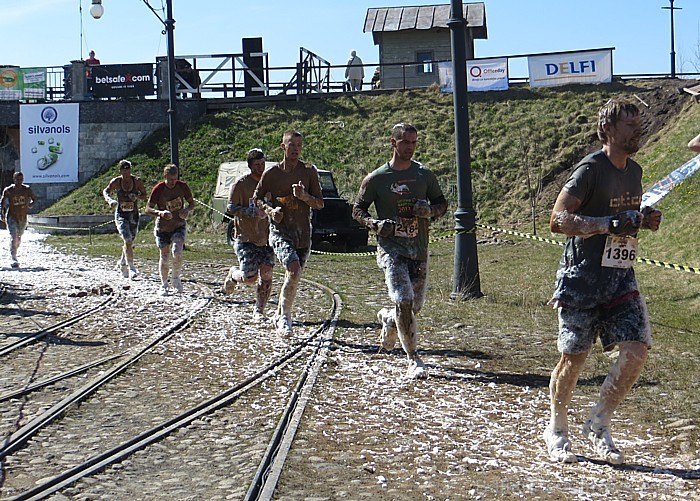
x: 127, y: 224
x: 406, y: 279
x: 16, y: 228
x: 165, y: 238
x: 612, y: 324
x: 286, y: 252
x: 251, y: 257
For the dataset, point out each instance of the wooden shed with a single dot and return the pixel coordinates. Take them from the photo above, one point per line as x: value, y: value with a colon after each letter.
x: 417, y: 37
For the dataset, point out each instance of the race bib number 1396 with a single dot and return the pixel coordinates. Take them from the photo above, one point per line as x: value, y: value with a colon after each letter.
x: 619, y: 252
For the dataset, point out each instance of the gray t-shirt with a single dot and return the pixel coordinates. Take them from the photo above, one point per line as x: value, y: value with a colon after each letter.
x: 582, y: 282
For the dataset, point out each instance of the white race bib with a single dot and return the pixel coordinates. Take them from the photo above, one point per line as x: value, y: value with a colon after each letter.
x: 619, y: 252
x: 406, y: 227
x: 126, y: 206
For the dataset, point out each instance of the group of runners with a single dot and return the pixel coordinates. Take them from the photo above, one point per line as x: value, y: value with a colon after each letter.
x: 597, y: 296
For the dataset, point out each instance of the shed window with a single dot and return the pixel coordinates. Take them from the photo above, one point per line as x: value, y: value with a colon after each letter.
x: 425, y: 62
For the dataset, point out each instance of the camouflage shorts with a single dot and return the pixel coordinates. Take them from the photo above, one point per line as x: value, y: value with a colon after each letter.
x: 579, y: 329
x: 16, y: 228
x: 251, y: 257
x: 127, y: 224
x: 165, y: 238
x: 286, y: 252
x: 406, y: 279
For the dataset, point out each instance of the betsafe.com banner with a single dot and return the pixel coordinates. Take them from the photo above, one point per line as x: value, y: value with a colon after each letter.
x: 49, y: 142
x: 551, y: 70
x: 122, y: 80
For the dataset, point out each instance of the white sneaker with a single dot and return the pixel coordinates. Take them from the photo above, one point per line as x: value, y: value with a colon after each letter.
x: 121, y: 266
x: 416, y: 369
x: 258, y: 315
x: 603, y: 443
x: 229, y: 284
x: 163, y: 290
x: 133, y: 273
x: 177, y: 284
x: 559, y: 446
x: 284, y: 325
x: 389, y: 334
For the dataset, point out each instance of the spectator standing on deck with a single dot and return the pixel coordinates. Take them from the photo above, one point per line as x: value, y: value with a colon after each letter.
x: 167, y: 203
x: 89, y: 63
x: 130, y: 190
x: 255, y: 256
x: 354, y: 71
x: 596, y: 294
x: 287, y: 192
x: 15, y: 201
x: 406, y: 196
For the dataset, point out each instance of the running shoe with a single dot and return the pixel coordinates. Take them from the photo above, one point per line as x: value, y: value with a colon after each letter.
x: 163, y: 290
x: 177, y: 284
x: 284, y: 325
x: 14, y: 264
x: 559, y: 446
x: 133, y: 273
x: 603, y: 443
x: 416, y: 369
x: 259, y: 315
x: 229, y: 284
x: 387, y: 338
x: 122, y: 266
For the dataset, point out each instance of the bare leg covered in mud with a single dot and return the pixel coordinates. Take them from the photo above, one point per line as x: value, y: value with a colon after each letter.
x: 407, y: 284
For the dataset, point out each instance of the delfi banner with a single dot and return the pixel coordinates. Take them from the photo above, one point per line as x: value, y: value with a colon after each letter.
x: 482, y: 75
x: 565, y: 68
x: 49, y: 142
x: 487, y: 74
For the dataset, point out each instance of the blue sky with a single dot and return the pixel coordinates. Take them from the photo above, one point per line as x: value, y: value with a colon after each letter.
x: 48, y: 32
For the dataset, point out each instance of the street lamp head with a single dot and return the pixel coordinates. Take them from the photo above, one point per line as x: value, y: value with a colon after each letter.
x: 97, y: 10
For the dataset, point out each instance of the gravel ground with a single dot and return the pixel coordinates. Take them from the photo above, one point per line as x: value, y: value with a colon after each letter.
x: 469, y: 431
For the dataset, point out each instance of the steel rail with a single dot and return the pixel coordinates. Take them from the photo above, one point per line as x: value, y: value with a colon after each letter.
x: 268, y: 473
x: 296, y: 403
x: 4, y: 350
x: 22, y: 435
x: 58, y: 377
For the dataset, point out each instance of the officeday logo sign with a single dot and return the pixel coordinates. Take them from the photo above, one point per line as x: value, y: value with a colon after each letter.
x: 551, y: 70
x: 49, y: 142
x: 487, y: 74
x: 482, y: 75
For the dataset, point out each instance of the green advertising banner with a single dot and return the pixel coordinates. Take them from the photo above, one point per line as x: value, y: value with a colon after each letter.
x: 18, y: 84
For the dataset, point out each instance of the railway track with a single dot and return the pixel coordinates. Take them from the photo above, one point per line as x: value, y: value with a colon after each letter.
x: 190, y: 384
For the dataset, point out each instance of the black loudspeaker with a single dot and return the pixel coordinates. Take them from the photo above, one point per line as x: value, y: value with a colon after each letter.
x: 253, y: 59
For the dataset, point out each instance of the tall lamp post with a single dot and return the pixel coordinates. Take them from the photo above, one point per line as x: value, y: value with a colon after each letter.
x: 466, y: 282
x: 97, y: 11
x: 673, y: 51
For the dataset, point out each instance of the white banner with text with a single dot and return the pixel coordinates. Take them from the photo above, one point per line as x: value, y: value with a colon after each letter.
x: 49, y: 142
x: 551, y: 70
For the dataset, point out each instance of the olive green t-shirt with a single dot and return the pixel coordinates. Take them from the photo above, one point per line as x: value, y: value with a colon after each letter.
x: 394, y: 193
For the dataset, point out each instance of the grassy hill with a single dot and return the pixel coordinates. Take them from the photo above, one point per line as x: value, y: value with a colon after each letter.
x: 540, y: 132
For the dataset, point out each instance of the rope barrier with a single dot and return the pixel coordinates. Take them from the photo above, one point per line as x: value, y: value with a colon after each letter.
x: 654, y: 262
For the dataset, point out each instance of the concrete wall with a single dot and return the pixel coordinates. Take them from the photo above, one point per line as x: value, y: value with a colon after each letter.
x: 109, y: 130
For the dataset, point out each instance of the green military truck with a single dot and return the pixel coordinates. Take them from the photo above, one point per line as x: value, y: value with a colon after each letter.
x: 333, y: 225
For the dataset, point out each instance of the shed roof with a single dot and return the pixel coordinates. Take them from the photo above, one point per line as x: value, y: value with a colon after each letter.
x: 424, y: 17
